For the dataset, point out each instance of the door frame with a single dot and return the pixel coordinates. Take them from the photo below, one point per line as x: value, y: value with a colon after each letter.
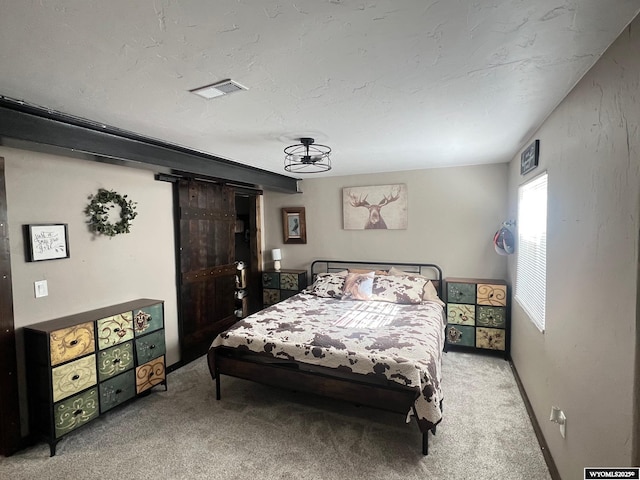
x: 10, y: 434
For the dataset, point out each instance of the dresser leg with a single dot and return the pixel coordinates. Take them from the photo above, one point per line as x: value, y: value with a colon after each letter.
x: 52, y: 448
x: 217, y: 385
x: 425, y: 443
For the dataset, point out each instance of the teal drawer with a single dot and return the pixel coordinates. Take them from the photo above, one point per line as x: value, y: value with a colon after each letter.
x: 461, y: 314
x: 284, y: 294
x: 73, y: 412
x: 461, y: 335
x: 271, y: 279
x: 150, y: 346
x: 461, y: 292
x: 115, y: 360
x: 148, y: 319
x: 491, y: 316
x: 117, y: 390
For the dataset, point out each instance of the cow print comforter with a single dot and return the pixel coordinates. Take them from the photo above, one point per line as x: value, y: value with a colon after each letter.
x: 403, y: 343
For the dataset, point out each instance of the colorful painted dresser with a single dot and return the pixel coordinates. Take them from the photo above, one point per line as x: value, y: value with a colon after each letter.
x: 278, y: 285
x: 83, y: 365
x: 478, y: 314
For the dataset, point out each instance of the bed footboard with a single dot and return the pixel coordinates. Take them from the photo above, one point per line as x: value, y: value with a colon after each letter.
x: 315, y: 380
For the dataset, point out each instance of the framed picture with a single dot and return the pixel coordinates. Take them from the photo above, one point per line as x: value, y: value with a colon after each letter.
x: 46, y: 242
x: 294, y: 225
x: 378, y: 207
x: 529, y: 158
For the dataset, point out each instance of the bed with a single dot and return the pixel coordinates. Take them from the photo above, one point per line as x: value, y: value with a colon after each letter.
x: 368, y: 333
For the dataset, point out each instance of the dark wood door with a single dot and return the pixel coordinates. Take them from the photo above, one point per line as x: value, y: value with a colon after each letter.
x: 206, y: 264
x: 10, y: 438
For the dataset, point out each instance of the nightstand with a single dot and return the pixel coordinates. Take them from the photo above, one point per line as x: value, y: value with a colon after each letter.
x: 281, y: 284
x: 478, y: 314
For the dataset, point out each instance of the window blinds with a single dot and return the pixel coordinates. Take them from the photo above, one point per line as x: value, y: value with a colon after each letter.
x: 531, y: 267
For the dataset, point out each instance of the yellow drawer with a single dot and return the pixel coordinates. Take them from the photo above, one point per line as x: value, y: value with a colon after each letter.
x: 115, y: 330
x: 73, y: 377
x: 150, y: 374
x: 461, y: 314
x: 488, y: 294
x: 73, y: 342
x: 491, y: 338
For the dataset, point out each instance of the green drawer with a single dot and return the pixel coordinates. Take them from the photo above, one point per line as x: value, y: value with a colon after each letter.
x: 150, y: 346
x: 73, y: 412
x: 271, y: 279
x: 115, y: 360
x: 491, y: 316
x: 461, y: 292
x: 148, y: 319
x: 117, y: 390
x: 73, y: 377
x: 461, y: 314
x: 461, y: 335
x: 284, y: 294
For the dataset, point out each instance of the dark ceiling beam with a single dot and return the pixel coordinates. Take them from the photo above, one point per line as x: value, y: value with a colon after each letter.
x: 34, y: 128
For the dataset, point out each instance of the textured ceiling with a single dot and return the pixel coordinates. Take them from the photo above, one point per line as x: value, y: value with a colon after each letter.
x: 389, y: 85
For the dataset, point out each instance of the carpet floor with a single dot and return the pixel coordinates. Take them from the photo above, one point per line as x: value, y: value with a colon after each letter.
x: 260, y: 432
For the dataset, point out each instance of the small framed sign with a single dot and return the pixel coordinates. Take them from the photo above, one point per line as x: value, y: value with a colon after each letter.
x: 529, y: 158
x: 46, y: 242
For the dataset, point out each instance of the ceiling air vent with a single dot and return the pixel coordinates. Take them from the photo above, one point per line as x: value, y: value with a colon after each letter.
x: 218, y: 89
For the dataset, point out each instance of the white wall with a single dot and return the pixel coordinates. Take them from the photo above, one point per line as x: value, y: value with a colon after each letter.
x: 100, y: 272
x: 584, y: 362
x: 453, y: 215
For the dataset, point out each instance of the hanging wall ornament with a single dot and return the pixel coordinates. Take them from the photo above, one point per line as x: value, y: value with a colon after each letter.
x: 99, y: 208
x: 504, y: 241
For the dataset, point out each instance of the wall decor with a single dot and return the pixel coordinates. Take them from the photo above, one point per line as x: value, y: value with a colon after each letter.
x: 46, y: 241
x: 529, y: 158
x: 362, y: 207
x: 98, y: 209
x: 294, y: 225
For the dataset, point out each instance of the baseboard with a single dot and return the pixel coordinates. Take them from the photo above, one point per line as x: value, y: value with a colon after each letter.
x: 553, y: 470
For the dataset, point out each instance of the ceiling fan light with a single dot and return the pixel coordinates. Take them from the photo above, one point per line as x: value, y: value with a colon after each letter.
x: 307, y: 157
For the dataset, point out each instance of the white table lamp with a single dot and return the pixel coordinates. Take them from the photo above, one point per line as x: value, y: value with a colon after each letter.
x: 276, y: 253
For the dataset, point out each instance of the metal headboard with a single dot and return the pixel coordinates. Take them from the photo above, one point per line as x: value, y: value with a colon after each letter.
x: 429, y: 270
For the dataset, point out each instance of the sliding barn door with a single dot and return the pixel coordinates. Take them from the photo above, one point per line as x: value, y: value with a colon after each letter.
x: 207, y: 269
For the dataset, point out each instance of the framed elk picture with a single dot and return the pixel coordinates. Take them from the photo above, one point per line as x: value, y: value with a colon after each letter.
x: 375, y: 207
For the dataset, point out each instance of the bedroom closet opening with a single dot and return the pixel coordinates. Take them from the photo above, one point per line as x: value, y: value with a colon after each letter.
x: 248, y: 253
x: 217, y: 225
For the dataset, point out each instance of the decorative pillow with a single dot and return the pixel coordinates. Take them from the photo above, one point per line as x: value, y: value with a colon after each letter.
x: 363, y: 270
x: 429, y: 292
x: 358, y: 286
x: 396, y: 289
x: 327, y: 285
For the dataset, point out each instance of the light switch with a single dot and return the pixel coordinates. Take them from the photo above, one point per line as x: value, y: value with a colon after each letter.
x: 42, y: 290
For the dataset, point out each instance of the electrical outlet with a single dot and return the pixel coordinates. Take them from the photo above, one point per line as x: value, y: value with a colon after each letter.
x: 41, y: 288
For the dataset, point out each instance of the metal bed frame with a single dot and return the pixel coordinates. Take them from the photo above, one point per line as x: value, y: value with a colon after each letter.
x: 356, y: 388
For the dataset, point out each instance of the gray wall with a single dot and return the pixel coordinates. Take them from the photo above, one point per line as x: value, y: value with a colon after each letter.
x: 101, y: 271
x: 453, y: 215
x: 584, y: 362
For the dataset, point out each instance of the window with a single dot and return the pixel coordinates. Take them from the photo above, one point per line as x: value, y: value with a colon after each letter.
x: 531, y: 268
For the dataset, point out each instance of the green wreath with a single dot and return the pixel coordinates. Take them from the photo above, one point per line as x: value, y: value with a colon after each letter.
x: 98, y: 213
